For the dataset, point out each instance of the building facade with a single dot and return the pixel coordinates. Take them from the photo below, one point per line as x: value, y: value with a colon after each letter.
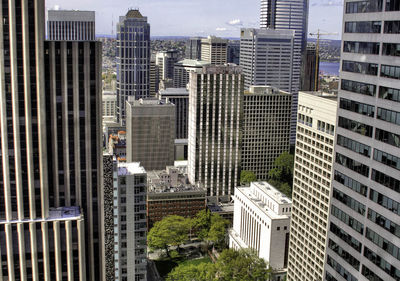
x: 109, y: 104
x: 214, y: 135
x: 214, y: 50
x: 364, y: 226
x: 266, y: 128
x: 180, y: 98
x: 154, y: 77
x: 150, y: 133
x: 133, y: 59
x: 310, y: 71
x: 71, y: 25
x: 182, y: 70
x: 233, y: 52
x: 130, y: 233
x: 311, y: 185
x: 165, y: 62
x: 261, y: 221
x: 266, y: 58
x: 193, y: 48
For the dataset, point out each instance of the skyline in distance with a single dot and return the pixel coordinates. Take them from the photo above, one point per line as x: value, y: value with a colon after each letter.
x: 200, y: 18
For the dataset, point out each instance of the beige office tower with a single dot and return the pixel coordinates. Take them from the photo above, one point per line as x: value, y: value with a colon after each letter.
x: 214, y: 50
x: 215, y: 107
x: 150, y: 133
x: 266, y: 128
x: 311, y: 185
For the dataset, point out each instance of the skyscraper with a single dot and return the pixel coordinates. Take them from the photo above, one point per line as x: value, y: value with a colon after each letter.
x: 364, y: 230
x: 38, y: 242
x: 289, y: 15
x: 311, y: 185
x: 215, y: 107
x: 193, y: 48
x: 165, y: 62
x: 153, y: 77
x: 266, y: 58
x: 73, y: 107
x: 266, y: 128
x: 310, y: 69
x: 71, y: 25
x: 133, y: 59
x: 183, y: 68
x: 214, y: 50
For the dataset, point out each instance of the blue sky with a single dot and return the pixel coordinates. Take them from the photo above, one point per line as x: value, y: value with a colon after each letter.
x: 199, y: 17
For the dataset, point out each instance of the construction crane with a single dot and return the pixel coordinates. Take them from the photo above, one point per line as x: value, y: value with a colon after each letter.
x: 319, y: 34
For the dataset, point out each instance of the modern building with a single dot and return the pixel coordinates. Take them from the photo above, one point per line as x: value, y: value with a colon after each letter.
x: 130, y: 232
x: 170, y: 193
x: 311, y: 185
x: 266, y: 58
x: 109, y: 104
x: 266, y: 128
x: 183, y: 68
x: 233, y: 52
x: 165, y: 62
x: 261, y: 221
x: 133, y: 59
x: 73, y: 108
x: 364, y: 226
x: 215, y: 124
x: 310, y: 73
x: 154, y: 77
x: 150, y: 133
x: 289, y: 15
x: 180, y: 98
x: 193, y: 48
x: 214, y: 50
x: 71, y: 25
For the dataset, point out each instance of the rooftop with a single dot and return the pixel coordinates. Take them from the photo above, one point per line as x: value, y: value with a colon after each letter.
x: 322, y: 95
x: 150, y: 102
x: 71, y: 15
x: 265, y: 90
x: 127, y: 169
x: 229, y: 68
x: 192, y: 63
x: 174, y: 92
x: 272, y: 192
x: 134, y: 14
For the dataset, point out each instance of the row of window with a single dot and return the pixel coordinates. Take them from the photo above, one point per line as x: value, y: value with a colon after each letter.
x: 383, y: 243
x: 389, y: 93
x: 358, y: 87
x: 353, y: 145
x: 389, y: 27
x: 349, y: 239
x: 382, y: 263
x: 389, y: 115
x: 372, y: 48
x: 366, y: 6
x: 384, y: 222
x: 390, y: 71
x: 350, y: 221
x: 351, y: 183
x: 326, y: 127
x: 349, y: 201
x: 385, y: 201
x: 357, y: 107
x: 387, y: 159
x: 340, y: 269
x: 360, y: 67
x: 355, y: 126
x: 387, y: 137
x: 352, y: 164
x: 391, y: 49
x: 344, y: 254
x: 386, y: 180
x: 370, y: 274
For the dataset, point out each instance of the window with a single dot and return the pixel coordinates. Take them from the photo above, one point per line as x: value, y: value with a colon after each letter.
x: 391, y: 26
x: 385, y: 201
x: 390, y: 71
x: 363, y: 27
x: 350, y: 221
x: 354, y: 145
x: 351, y: 183
x: 391, y: 49
x: 389, y: 115
x: 387, y: 137
x: 361, y: 47
x: 358, y: 87
x: 355, y: 126
x: 349, y: 201
x: 385, y: 180
x: 381, y: 263
x: 392, y: 5
x: 367, y: 6
x: 383, y: 243
x: 387, y: 159
x: 357, y: 107
x: 349, y: 239
x: 360, y: 67
x: 340, y: 269
x: 384, y: 222
x: 344, y: 254
x: 389, y: 94
x: 370, y: 274
x: 352, y: 164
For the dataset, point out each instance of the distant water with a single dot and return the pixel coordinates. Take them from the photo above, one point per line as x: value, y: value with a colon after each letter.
x: 331, y: 68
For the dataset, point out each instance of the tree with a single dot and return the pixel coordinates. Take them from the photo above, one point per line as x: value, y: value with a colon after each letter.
x: 170, y: 231
x: 210, y: 227
x: 282, y: 175
x: 190, y: 272
x: 246, y: 177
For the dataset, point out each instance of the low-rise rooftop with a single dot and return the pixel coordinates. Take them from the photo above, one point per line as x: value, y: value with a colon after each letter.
x: 127, y: 169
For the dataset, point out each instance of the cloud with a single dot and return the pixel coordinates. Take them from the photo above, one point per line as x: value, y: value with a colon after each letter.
x: 220, y: 29
x: 235, y: 22
x: 327, y: 3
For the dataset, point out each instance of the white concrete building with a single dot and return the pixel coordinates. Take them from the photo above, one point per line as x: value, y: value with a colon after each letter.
x: 261, y: 221
x: 130, y: 231
x: 183, y: 68
x: 214, y: 50
x: 165, y: 62
x: 109, y: 104
x: 311, y: 185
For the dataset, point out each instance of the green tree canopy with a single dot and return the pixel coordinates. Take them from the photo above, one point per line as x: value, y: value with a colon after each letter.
x: 246, y: 177
x: 282, y: 175
x: 210, y: 227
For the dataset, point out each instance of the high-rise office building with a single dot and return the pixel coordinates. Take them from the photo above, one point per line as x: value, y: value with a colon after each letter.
x: 150, y: 133
x: 266, y: 58
x: 73, y: 118
x: 71, y: 25
x: 180, y: 98
x: 38, y: 241
x: 233, y: 52
x: 193, y: 48
x: 133, y: 59
x: 215, y: 108
x: 183, y: 68
x: 109, y: 101
x: 310, y: 71
x: 130, y: 229
x: 289, y: 15
x: 364, y: 230
x: 154, y: 77
x: 311, y: 185
x: 165, y: 62
x: 214, y: 50
x: 266, y: 128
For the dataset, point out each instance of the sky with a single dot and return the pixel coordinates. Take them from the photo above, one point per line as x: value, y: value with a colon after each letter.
x: 222, y: 18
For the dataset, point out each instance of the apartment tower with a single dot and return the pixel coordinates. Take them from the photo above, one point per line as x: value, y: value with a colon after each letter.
x: 364, y: 230
x: 311, y: 185
x: 133, y: 59
x: 215, y: 108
